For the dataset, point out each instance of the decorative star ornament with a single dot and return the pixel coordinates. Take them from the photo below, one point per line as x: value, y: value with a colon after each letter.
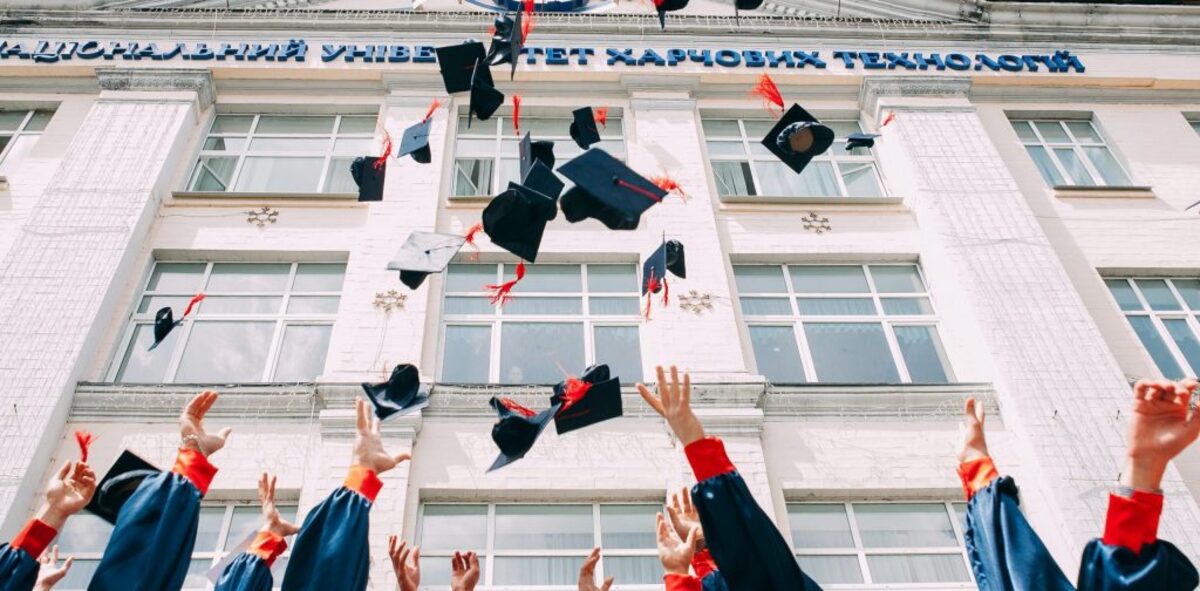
x: 816, y: 223
x: 696, y: 302
x: 262, y: 216
x: 390, y: 300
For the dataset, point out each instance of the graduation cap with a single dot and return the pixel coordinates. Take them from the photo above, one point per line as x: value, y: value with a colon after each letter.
x: 424, y: 253
x: 531, y: 151
x: 118, y: 484
x: 164, y: 320
x: 668, y: 258
x: 415, y: 142
x: 797, y: 138
x: 368, y: 173
x: 517, y: 429
x: 485, y: 99
x: 665, y: 6
x: 507, y: 42
x: 401, y: 394
x: 516, y: 219
x: 457, y: 64
x: 585, y: 129
x: 607, y: 190
x: 587, y: 400
x: 860, y: 140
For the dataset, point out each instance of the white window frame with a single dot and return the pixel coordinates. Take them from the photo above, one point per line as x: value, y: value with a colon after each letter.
x: 282, y: 319
x: 22, y: 131
x: 862, y: 552
x: 1191, y: 316
x: 796, y: 320
x: 498, y: 317
x: 489, y: 553
x: 1075, y: 144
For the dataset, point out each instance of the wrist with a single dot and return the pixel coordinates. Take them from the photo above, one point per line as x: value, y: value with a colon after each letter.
x: 53, y: 516
x: 192, y: 442
x: 1142, y: 474
x: 676, y: 570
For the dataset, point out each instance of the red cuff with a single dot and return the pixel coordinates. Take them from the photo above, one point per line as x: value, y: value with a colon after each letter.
x: 977, y: 474
x: 708, y: 459
x: 267, y: 546
x: 192, y: 464
x: 363, y: 481
x: 1133, y: 522
x: 677, y: 582
x: 34, y: 538
x: 702, y: 563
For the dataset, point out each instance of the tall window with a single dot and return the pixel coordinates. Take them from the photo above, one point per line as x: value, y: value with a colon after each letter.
x: 841, y: 324
x: 561, y: 318
x: 880, y: 544
x: 1165, y: 314
x: 260, y: 322
x: 222, y: 527
x: 19, y: 131
x: 282, y: 153
x: 743, y: 166
x: 1070, y: 152
x: 487, y: 157
x: 541, y: 546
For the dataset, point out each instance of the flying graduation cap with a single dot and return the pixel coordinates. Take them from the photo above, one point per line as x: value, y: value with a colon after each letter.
x: 797, y: 138
x: 415, y: 141
x: 368, y: 172
x: 457, y: 65
x: 424, y: 253
x: 531, y: 152
x: 585, y: 128
x: 665, y: 6
x: 164, y: 320
x: 667, y: 258
x: 607, y: 190
x: 507, y: 42
x: 517, y: 430
x: 400, y: 395
x: 516, y: 219
x: 485, y: 98
x: 587, y: 400
x: 118, y: 484
x: 860, y: 140
x: 745, y: 5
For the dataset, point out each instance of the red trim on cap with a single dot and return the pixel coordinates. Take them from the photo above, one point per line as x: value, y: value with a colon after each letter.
x: 977, y: 474
x: 192, y: 464
x: 677, y: 582
x: 708, y: 459
x: 1133, y: 522
x: 363, y: 481
x: 267, y: 545
x: 767, y: 89
x: 34, y: 538
x: 703, y: 563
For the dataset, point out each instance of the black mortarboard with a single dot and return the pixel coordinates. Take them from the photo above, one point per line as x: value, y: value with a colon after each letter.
x: 507, y: 42
x: 415, y: 142
x: 164, y: 321
x: 669, y: 6
x: 543, y: 180
x: 118, y: 484
x: 369, y: 177
x: 860, y: 140
x: 485, y: 99
x: 531, y: 151
x: 584, y: 128
x: 424, y: 253
x: 607, y: 190
x: 668, y: 257
x: 587, y: 400
x: 457, y: 63
x: 797, y: 138
x: 516, y: 219
x: 401, y: 394
x: 517, y: 430
x: 747, y: 4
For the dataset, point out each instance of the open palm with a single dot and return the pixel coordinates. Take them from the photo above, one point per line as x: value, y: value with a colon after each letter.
x: 191, y: 424
x: 72, y: 488
x: 1162, y: 424
x: 368, y: 442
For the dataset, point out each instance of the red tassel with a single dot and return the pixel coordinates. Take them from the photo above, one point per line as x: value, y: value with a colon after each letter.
x: 666, y: 293
x: 652, y: 286
x: 387, y: 150
x: 84, y: 438
x: 432, y: 107
x: 196, y: 299
x: 645, y: 192
x: 669, y: 185
x: 575, y: 390
x: 890, y: 116
x: 500, y: 293
x: 529, y: 5
x: 512, y: 405
x: 602, y: 116
x: 517, y: 114
x: 492, y: 31
x: 769, y: 92
x: 470, y: 236
x: 526, y: 27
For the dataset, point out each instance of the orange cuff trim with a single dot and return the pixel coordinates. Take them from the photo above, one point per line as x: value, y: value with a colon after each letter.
x: 703, y: 563
x: 192, y: 464
x: 363, y: 481
x: 708, y: 459
x: 677, y: 582
x: 1133, y: 522
x: 976, y: 475
x: 267, y: 546
x: 34, y: 538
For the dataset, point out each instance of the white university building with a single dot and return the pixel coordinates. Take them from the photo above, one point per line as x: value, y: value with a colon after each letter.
x: 1020, y: 233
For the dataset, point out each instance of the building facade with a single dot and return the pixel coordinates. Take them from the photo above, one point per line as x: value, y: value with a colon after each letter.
x: 1020, y: 233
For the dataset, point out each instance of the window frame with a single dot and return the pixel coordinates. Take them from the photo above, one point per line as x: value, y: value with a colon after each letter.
x: 1076, y: 146
x: 22, y: 130
x: 1195, y: 123
x: 1189, y: 315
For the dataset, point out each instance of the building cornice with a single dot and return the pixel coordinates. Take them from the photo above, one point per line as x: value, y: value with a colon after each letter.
x: 197, y: 80
x: 909, y: 401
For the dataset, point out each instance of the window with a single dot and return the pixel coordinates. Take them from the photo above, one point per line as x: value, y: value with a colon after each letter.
x: 541, y: 546
x: 1195, y: 125
x: 222, y: 527
x: 282, y: 153
x: 260, y: 322
x: 843, y: 323
x: 487, y: 157
x: 19, y: 131
x: 1071, y: 153
x: 742, y: 165
x: 881, y: 543
x: 561, y: 319
x: 1165, y: 314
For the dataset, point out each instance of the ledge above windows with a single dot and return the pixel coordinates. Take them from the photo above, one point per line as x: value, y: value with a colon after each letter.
x: 197, y: 196
x: 901, y: 401
x: 742, y: 200
x: 1078, y: 192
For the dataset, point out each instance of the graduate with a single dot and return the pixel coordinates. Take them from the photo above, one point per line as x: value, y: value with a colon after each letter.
x: 251, y: 570
x: 1005, y: 552
x: 748, y: 550
x: 406, y: 563
x: 70, y: 490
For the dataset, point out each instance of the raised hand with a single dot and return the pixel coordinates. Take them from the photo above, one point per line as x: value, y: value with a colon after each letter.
x: 674, y: 403
x: 49, y: 572
x: 70, y: 490
x: 191, y: 425
x: 675, y: 554
x: 587, y: 573
x: 368, y: 443
x: 273, y: 522
x: 684, y: 517
x: 408, y: 574
x: 464, y: 571
x: 1162, y: 425
x: 974, y: 444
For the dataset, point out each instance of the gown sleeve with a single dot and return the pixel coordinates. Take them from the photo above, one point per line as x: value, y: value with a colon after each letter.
x: 331, y: 550
x: 746, y: 546
x: 1130, y: 557
x: 151, y: 544
x: 18, y: 560
x: 1004, y: 551
x: 251, y: 571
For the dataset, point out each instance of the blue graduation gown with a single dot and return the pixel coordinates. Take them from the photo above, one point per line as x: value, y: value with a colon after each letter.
x: 1158, y: 567
x: 331, y: 550
x: 1005, y: 553
x: 18, y: 570
x: 247, y: 572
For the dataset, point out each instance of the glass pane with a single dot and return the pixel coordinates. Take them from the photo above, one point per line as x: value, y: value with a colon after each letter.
x: 543, y: 306
x: 176, y: 277
x: 454, y: 527
x: 1185, y: 340
x: 612, y: 278
x: 1041, y: 159
x: 355, y: 124
x: 776, y: 354
x: 1104, y: 162
x: 1158, y: 295
x: 829, y: 279
x: 860, y: 180
x: 544, y: 527
x: 435, y: 570
x: 319, y: 277
x: 613, y: 306
x: 917, y: 568
x: 83, y: 532
x: 240, y: 305
x: 294, y: 124
x: 302, y: 353
x: 897, y: 279
x: 851, y: 353
x: 228, y: 352
x: 766, y: 307
x: 836, y: 306
x: 11, y: 120
x: 281, y: 175
x: 759, y: 279
x: 1074, y: 166
x: 621, y: 349
x: 541, y: 127
x: 817, y: 179
x: 1189, y: 290
x: 1084, y: 132
x: 536, y: 571
x: 904, y: 525
x: 214, y: 173
x: 1052, y: 131
x: 209, y: 529
x: 830, y: 570
x: 547, y: 278
x: 319, y: 145
x: 510, y: 171
x: 472, y: 176
x: 354, y: 146
x: 907, y: 306
x: 923, y: 354
x: 245, y: 522
x: 232, y: 124
x: 725, y: 150
x: 820, y: 526
x: 465, y: 357
x: 720, y: 128
x: 1124, y: 294
x: 733, y: 178
x: 338, y: 179
x: 533, y: 352
x: 470, y: 278
x: 634, y: 570
x: 464, y: 305
x: 313, y: 305
x: 140, y: 365
x: 1152, y: 340
x: 628, y: 526
x: 757, y: 128
x: 224, y: 144
x: 249, y: 277
x: 1024, y: 131
x: 151, y: 304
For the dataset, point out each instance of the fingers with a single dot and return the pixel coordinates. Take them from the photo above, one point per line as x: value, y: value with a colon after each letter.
x: 589, y: 566
x: 473, y: 559
x: 272, y: 488
x: 225, y: 433
x: 393, y: 551
x: 691, y: 540
x: 1140, y: 389
x: 607, y: 583
x: 675, y: 380
x: 67, y: 565
x: 360, y: 417
x: 666, y: 535
x: 687, y: 390
x: 651, y: 400
x: 374, y: 426
x: 416, y: 557
x: 64, y: 471
x: 404, y: 457
x: 664, y: 389
x: 687, y: 501
x: 457, y: 564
